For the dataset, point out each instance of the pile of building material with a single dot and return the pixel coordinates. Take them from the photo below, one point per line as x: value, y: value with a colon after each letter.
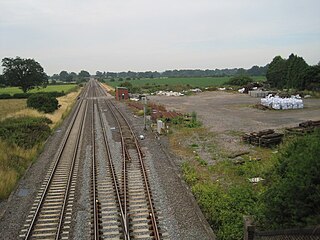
x: 276, y: 102
x: 265, y: 138
x: 170, y: 94
x: 303, y: 128
x: 258, y: 93
x: 164, y: 114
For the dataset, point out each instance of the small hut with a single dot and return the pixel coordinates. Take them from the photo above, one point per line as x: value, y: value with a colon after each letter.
x: 122, y: 93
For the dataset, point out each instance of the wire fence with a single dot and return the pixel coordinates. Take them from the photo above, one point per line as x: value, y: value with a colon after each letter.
x: 290, y: 234
x: 251, y: 233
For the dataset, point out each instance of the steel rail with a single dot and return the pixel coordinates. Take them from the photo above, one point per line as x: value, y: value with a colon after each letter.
x: 95, y: 199
x: 57, y: 160
x: 114, y: 177
x: 75, y: 155
x: 152, y: 213
x: 139, y: 151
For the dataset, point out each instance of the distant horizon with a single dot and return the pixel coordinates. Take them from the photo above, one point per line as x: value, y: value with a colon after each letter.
x: 159, y: 71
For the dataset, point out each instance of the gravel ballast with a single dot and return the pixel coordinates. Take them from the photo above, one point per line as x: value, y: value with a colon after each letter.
x: 179, y: 215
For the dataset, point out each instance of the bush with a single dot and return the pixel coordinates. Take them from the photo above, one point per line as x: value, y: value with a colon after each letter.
x: 43, y: 102
x: 225, y: 207
x: 21, y: 95
x: 5, y: 96
x: 239, y: 81
x: 293, y: 198
x: 25, y: 132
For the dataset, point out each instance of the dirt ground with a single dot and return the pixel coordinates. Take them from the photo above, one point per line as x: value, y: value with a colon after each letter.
x: 222, y: 111
x: 229, y: 115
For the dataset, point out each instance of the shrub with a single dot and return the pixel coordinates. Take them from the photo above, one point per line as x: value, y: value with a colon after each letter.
x: 225, y: 207
x: 239, y: 81
x: 43, y: 102
x: 293, y: 198
x: 21, y: 95
x: 25, y: 132
x: 5, y: 96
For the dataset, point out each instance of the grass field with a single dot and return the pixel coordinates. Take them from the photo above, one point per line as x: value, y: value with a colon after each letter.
x: 15, y: 160
x: 51, y: 88
x: 10, y: 106
x: 194, y: 82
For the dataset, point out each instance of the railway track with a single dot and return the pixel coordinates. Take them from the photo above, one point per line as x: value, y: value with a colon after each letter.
x: 122, y: 206
x: 50, y: 215
x: 137, y: 201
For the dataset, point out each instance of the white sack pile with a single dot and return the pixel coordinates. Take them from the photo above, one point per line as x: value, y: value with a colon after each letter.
x: 276, y: 102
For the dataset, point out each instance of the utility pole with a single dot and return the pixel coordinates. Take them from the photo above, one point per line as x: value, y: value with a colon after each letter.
x: 144, y: 99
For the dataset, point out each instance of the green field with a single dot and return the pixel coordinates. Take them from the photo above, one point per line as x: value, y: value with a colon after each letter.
x: 194, y: 82
x: 51, y: 88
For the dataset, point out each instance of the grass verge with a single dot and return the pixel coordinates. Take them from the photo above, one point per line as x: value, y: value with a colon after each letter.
x: 220, y: 184
x: 14, y: 160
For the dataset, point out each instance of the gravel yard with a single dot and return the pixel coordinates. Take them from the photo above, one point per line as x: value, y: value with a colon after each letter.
x: 223, y: 111
x: 229, y: 115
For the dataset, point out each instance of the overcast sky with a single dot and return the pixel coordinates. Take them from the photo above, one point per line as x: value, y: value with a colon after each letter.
x: 140, y: 35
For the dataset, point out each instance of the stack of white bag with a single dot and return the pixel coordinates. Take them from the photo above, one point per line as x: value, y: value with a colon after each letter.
x: 277, y: 102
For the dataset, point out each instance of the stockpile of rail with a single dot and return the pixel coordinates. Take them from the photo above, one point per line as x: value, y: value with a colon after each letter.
x: 265, y: 138
x: 269, y: 138
x: 303, y: 128
x: 157, y: 111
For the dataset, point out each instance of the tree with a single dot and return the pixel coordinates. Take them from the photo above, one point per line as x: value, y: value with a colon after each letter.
x: 24, y: 73
x: 2, y: 81
x: 55, y: 76
x: 84, y: 74
x: 296, y: 69
x: 277, y: 72
x: 99, y: 74
x: 63, y: 75
x: 312, y: 78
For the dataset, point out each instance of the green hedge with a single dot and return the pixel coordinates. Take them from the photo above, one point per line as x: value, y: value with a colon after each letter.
x: 43, y: 102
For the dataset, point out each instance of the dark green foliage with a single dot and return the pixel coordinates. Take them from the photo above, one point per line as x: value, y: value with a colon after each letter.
x: 3, y: 82
x: 312, y: 78
x: 21, y: 95
x: 277, y: 72
x: 257, y: 71
x: 43, y: 102
x: 225, y: 207
x: 294, y: 196
x: 5, y: 96
x: 296, y: 68
x: 25, y: 132
x: 240, y: 80
x: 84, y: 74
x: 23, y: 73
x: 288, y: 73
x: 63, y: 75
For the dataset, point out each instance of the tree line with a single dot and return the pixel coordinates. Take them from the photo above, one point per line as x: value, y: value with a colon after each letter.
x: 254, y: 71
x: 65, y: 76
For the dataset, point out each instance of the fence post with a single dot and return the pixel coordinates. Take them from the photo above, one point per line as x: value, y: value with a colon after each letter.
x: 249, y: 228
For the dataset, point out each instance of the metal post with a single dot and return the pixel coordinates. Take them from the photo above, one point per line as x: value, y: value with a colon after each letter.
x: 144, y: 112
